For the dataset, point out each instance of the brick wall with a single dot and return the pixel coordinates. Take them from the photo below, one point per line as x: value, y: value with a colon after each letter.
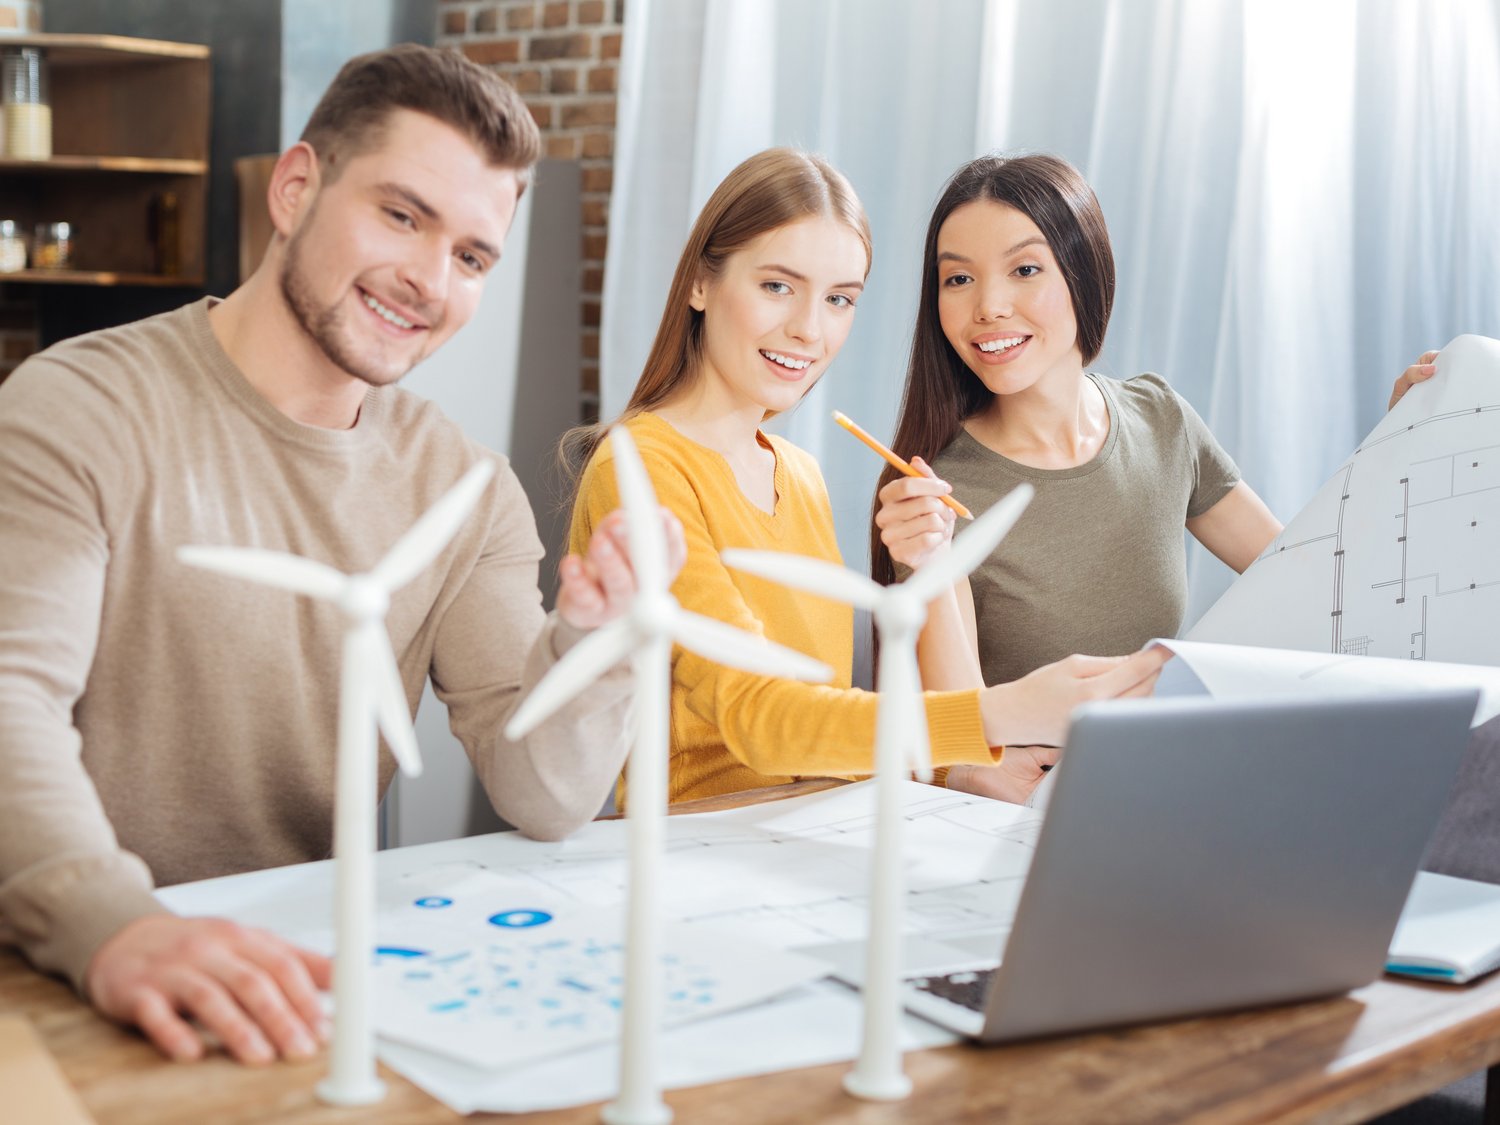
x: 563, y: 56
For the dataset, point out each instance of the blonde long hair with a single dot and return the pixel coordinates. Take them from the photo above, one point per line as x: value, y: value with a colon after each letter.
x: 768, y: 190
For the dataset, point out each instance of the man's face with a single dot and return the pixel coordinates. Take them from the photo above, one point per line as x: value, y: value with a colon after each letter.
x: 390, y: 258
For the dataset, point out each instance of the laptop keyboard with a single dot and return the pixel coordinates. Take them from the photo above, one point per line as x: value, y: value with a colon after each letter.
x: 966, y: 989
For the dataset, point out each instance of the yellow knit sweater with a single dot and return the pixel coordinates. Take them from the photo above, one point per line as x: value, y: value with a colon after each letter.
x: 732, y: 730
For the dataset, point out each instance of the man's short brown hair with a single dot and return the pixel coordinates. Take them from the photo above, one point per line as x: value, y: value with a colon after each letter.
x: 351, y: 116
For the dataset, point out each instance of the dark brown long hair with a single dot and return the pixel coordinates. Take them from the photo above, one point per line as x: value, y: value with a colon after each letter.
x: 766, y: 191
x: 941, y: 392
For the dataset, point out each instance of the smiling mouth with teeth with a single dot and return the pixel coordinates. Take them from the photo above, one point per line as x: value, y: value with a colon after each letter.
x: 990, y: 347
x: 386, y: 314
x: 787, y: 361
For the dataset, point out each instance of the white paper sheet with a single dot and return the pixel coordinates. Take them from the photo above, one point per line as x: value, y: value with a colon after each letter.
x: 1398, y: 555
x: 815, y: 1025
x: 1229, y: 672
x: 525, y: 983
x: 790, y: 874
x: 1449, y: 930
x: 798, y: 869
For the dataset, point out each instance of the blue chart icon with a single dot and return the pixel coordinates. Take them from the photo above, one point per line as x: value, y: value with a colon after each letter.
x: 398, y: 951
x: 520, y: 919
x: 433, y: 902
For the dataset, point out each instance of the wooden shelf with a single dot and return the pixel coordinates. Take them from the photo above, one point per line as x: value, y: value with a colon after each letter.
x: 92, y: 50
x: 129, y: 164
x: 130, y: 125
x: 98, y: 277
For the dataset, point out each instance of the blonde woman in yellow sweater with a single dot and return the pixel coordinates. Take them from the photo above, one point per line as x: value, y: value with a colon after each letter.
x: 763, y: 298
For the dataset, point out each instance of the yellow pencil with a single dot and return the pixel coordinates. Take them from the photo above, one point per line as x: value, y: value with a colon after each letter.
x: 843, y: 420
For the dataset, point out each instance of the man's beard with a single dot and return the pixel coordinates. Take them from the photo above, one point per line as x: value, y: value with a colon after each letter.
x: 323, y: 325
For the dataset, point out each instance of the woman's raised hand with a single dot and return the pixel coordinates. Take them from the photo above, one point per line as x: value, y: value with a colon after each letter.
x: 914, y: 524
x: 1418, y: 372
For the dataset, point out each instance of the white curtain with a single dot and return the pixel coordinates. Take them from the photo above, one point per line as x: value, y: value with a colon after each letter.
x: 1302, y: 194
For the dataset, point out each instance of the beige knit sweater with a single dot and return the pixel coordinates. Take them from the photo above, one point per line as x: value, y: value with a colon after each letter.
x: 161, y: 722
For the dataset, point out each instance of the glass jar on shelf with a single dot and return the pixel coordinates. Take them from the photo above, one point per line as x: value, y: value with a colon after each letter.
x: 52, y: 248
x: 24, y: 103
x: 12, y: 247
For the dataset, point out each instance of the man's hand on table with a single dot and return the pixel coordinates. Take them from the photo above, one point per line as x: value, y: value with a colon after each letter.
x: 254, y: 992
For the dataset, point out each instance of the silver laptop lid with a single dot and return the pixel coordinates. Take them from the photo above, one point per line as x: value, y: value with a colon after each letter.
x: 1200, y: 856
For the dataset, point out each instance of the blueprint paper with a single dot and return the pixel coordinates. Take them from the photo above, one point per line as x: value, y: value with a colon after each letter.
x: 1398, y: 555
x: 1229, y: 672
x: 491, y: 970
x: 815, y: 1025
x: 530, y: 985
x: 295, y: 902
x: 967, y: 858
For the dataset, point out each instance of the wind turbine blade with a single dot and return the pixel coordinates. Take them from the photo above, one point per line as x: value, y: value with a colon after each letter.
x: 648, y: 546
x: 268, y: 568
x: 739, y: 649
x: 392, y: 711
x: 972, y: 547
x: 430, y: 534
x: 584, y: 663
x: 901, y: 687
x: 829, y: 580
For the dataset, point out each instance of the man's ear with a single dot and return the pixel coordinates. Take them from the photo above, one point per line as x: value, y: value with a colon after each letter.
x: 294, y: 185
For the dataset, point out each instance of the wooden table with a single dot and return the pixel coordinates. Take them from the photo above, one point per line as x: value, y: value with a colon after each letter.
x: 1339, y: 1060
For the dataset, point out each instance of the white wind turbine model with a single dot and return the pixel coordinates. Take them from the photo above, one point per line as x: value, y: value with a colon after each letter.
x: 645, y: 634
x: 901, y: 746
x: 371, y: 695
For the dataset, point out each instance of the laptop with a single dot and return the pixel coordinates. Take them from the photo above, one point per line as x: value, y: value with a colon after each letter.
x: 1200, y: 856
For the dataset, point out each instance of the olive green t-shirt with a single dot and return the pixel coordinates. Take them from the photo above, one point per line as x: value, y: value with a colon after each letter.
x: 1096, y: 564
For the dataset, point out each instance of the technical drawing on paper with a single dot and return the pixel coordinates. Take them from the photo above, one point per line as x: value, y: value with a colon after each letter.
x: 791, y: 875
x: 531, y: 987
x: 741, y: 888
x: 799, y: 876
x: 766, y: 878
x: 1398, y: 555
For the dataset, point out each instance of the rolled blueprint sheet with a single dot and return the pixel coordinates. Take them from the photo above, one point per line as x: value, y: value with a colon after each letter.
x: 1398, y: 555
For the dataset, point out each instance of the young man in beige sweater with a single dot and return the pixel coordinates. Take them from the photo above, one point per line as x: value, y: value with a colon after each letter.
x: 159, y: 723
